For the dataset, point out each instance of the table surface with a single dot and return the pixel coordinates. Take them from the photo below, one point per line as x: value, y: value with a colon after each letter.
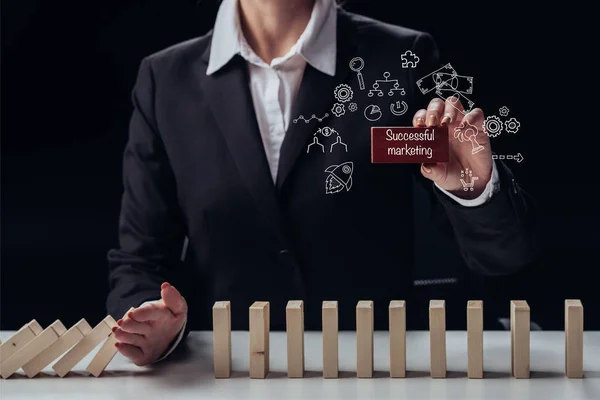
x: 191, y: 375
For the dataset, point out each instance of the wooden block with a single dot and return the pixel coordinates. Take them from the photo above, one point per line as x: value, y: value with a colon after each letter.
x: 397, y: 322
x: 364, y: 339
x: 259, y: 339
x: 37, y: 345
x: 17, y: 341
x: 222, y: 339
x: 104, y: 356
x: 294, y: 313
x: 437, y: 338
x: 64, y: 343
x: 519, y: 335
x: 475, y: 339
x: 84, y: 346
x: 574, y: 339
x: 330, y: 339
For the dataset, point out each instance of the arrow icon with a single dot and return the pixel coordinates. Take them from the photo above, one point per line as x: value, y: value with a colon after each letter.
x: 517, y: 157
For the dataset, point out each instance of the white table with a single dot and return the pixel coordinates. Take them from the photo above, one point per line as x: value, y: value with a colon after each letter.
x: 192, y: 377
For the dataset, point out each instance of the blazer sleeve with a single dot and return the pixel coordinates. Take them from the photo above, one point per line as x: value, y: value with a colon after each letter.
x: 498, y: 237
x: 151, y: 227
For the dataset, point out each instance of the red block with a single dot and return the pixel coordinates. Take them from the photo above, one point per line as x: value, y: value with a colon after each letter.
x: 397, y: 144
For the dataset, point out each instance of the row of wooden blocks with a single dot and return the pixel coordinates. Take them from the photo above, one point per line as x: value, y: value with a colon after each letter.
x: 33, y: 348
x: 259, y: 339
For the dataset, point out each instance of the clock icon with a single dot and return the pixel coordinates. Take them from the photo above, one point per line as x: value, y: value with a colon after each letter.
x: 373, y: 112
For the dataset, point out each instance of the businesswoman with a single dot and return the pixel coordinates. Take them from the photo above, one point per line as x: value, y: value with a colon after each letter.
x: 247, y: 172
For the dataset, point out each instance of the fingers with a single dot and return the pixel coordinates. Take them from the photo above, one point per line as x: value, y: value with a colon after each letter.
x: 475, y: 118
x: 451, y: 113
x: 435, y: 109
x: 133, y: 326
x: 148, y: 312
x: 134, y: 353
x: 419, y: 118
x: 173, y: 299
x: 432, y: 171
x: 128, y: 338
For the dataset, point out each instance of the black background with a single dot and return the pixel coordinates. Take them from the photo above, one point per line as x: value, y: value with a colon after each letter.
x: 67, y: 71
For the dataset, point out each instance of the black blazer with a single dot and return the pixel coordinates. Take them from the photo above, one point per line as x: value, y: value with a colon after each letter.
x: 194, y: 166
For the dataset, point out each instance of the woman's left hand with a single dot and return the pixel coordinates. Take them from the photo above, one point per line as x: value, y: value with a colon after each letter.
x: 470, y: 161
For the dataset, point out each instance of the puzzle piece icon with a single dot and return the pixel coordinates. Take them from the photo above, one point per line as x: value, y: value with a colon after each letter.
x: 409, y: 59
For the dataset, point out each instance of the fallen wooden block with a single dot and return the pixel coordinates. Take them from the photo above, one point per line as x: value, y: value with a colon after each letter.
x: 329, y: 314
x: 37, y: 345
x: 364, y: 339
x: 259, y: 339
x: 295, y: 338
x: 573, y: 339
x: 104, y: 356
x: 64, y: 343
x: 397, y: 322
x: 84, y: 346
x: 222, y: 339
x: 17, y: 341
x: 520, y: 337
x: 437, y: 338
x: 475, y: 339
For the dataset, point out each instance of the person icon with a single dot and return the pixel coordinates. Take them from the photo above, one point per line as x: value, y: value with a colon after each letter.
x: 315, y: 142
x: 338, y: 140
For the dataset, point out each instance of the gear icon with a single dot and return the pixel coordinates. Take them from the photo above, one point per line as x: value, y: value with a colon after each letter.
x: 504, y: 111
x: 512, y: 126
x: 343, y: 93
x: 338, y: 109
x: 492, y: 126
x: 353, y: 107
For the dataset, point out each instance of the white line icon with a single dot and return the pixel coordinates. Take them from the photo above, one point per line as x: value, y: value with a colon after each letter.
x: 338, y: 109
x: 504, y: 111
x: 372, y: 112
x: 517, y: 157
x: 343, y: 93
x: 353, y: 107
x: 467, y: 132
x: 386, y: 81
x: 398, y: 108
x: 447, y: 83
x: 512, y: 125
x: 338, y: 141
x: 467, y: 179
x: 317, y: 145
x: 356, y: 65
x: 409, y: 59
x: 492, y: 126
x: 301, y: 118
x: 339, y: 178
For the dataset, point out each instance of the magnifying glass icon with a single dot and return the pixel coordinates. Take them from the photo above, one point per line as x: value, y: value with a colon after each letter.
x: 356, y: 65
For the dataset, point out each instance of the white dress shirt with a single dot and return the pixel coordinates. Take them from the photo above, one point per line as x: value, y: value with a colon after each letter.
x: 274, y: 86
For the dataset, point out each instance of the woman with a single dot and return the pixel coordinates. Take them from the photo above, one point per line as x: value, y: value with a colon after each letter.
x: 251, y: 145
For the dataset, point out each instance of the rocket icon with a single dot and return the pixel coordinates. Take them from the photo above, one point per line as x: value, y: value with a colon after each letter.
x: 339, y: 178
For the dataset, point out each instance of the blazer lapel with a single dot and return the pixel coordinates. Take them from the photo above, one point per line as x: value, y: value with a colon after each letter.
x: 315, y: 96
x: 230, y: 100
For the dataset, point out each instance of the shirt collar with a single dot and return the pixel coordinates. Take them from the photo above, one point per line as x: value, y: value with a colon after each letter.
x: 317, y: 44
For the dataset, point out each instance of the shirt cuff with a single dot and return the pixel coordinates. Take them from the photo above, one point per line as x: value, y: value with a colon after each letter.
x: 177, y: 340
x: 492, y: 187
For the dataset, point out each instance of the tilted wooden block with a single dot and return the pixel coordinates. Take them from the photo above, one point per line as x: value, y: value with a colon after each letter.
x: 329, y: 316
x: 520, y: 337
x: 17, y: 341
x: 37, y: 345
x: 259, y: 339
x: 364, y: 339
x: 64, y: 343
x: 85, y: 345
x: 295, y: 338
x: 105, y: 355
x: 437, y: 338
x: 475, y: 339
x: 222, y: 339
x: 397, y: 322
x: 574, y: 339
